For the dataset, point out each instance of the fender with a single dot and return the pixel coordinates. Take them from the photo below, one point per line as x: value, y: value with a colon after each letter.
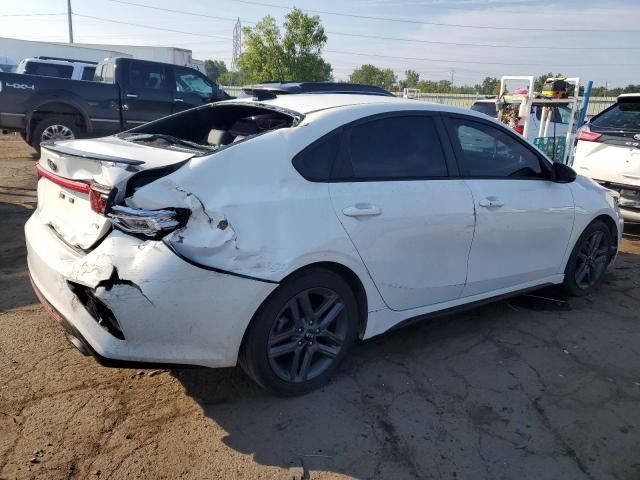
x: 63, y: 97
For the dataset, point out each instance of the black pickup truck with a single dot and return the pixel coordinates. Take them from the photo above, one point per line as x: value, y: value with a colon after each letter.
x: 124, y: 93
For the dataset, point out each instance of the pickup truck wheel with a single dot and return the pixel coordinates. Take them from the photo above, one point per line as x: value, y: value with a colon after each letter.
x: 53, y: 128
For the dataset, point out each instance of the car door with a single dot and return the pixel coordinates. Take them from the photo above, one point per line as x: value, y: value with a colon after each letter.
x: 410, y: 221
x: 191, y: 89
x: 147, y: 95
x: 523, y: 219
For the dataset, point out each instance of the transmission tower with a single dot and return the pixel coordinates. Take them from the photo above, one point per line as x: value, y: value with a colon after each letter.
x: 237, y: 45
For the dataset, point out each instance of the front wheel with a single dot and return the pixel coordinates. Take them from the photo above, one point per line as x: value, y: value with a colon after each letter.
x: 589, y: 259
x: 301, y: 334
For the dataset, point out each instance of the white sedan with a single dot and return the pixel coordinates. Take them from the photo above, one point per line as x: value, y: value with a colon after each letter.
x: 276, y: 231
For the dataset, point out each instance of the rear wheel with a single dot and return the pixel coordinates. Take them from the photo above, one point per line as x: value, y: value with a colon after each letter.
x: 589, y: 259
x: 52, y: 129
x: 302, y: 332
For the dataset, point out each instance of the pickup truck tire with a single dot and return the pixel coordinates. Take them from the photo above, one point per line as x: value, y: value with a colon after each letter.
x: 54, y: 128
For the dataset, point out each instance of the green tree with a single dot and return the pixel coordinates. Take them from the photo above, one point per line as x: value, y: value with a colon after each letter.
x: 412, y: 78
x: 233, y: 78
x: 271, y: 56
x: 214, y: 68
x: 489, y: 86
x: 372, y: 75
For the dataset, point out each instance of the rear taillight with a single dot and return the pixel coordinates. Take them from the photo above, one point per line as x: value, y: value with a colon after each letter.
x: 150, y: 223
x: 98, y: 194
x: 587, y: 135
x: 99, y: 197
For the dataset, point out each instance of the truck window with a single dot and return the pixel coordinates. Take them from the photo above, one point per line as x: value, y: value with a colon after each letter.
x: 87, y: 73
x: 147, y: 76
x: 188, y: 81
x: 49, y: 70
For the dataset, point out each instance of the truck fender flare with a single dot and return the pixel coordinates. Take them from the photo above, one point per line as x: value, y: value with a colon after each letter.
x: 68, y: 101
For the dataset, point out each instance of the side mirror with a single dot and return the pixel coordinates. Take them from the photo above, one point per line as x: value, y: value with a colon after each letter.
x: 561, y: 173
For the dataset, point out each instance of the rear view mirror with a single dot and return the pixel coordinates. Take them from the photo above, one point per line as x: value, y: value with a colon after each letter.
x: 561, y: 173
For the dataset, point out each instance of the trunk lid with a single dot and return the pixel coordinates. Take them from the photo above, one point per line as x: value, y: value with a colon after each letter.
x: 69, y: 171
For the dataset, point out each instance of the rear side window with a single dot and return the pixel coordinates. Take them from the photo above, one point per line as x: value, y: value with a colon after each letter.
x: 315, y: 162
x: 395, y: 148
x: 489, y: 152
x: 147, y: 76
x: 624, y: 116
x: 49, y: 70
x: 88, y: 72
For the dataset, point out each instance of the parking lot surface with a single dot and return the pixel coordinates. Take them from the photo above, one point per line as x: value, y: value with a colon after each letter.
x: 536, y: 387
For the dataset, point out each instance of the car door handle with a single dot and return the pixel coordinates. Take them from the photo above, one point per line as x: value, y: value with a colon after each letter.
x: 361, y: 210
x: 178, y: 100
x: 131, y: 95
x: 491, y: 202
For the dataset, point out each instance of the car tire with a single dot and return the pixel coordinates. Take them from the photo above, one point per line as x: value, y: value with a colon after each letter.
x: 301, y: 333
x: 589, y: 260
x: 54, y: 128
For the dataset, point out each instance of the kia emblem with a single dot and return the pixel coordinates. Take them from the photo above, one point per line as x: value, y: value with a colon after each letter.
x: 52, y: 165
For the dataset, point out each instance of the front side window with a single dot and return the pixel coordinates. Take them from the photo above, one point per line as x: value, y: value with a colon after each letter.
x: 188, y: 81
x: 395, y: 148
x: 147, y: 76
x: 489, y: 152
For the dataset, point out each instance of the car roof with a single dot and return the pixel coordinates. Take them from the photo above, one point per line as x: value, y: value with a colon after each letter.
x: 318, y: 87
x: 629, y: 95
x: 307, y: 103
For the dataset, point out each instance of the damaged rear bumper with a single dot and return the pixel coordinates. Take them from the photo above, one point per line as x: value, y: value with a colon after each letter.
x: 168, y: 310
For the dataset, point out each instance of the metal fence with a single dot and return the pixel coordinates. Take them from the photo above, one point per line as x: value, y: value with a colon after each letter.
x: 596, y: 104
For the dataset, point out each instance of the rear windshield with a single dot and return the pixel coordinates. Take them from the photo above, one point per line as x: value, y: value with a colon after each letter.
x: 211, y: 127
x: 49, y: 70
x: 486, y: 108
x: 622, y: 116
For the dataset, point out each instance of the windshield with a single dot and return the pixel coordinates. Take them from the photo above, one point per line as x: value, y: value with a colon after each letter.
x: 622, y: 116
x: 486, y: 108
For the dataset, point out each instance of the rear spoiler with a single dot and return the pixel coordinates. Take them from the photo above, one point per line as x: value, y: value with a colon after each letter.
x: 72, y: 152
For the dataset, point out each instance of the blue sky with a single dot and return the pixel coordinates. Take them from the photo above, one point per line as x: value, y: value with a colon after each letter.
x: 610, y: 54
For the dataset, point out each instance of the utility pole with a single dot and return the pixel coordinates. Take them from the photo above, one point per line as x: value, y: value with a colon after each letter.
x: 452, y: 72
x: 69, y: 14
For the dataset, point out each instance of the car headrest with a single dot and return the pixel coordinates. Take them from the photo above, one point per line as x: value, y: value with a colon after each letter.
x: 219, y: 137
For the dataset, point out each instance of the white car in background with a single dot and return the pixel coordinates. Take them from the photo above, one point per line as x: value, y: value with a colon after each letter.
x: 276, y: 230
x: 58, y: 67
x: 608, y: 151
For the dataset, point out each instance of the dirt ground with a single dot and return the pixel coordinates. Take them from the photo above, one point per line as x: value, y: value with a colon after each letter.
x: 521, y: 389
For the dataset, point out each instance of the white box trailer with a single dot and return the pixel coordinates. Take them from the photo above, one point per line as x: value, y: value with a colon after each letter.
x: 175, y: 55
x: 13, y: 50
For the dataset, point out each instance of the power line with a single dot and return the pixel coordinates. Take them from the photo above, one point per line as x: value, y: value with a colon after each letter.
x: 151, y: 27
x: 483, y: 62
x: 438, y: 24
x: 30, y: 14
x: 435, y: 42
x: 173, y: 11
x: 378, y: 37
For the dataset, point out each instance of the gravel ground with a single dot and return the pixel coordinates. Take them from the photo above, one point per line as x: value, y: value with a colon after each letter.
x: 527, y: 388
